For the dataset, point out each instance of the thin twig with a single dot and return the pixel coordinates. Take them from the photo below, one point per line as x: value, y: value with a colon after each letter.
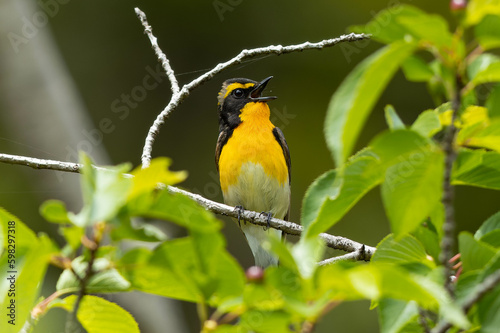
x: 179, y: 95
x: 85, y: 279
x: 335, y: 242
x: 159, y: 53
x: 357, y: 255
x: 482, y: 289
x: 449, y: 191
x: 308, y: 326
x: 422, y: 320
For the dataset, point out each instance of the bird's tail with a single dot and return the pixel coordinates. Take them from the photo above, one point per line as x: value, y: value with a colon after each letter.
x: 256, y: 236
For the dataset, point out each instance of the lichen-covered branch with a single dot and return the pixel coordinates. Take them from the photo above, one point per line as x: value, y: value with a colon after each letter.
x: 363, y: 252
x: 180, y: 94
x: 159, y: 53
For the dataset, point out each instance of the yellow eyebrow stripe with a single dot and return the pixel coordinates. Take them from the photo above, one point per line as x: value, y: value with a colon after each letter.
x: 237, y: 85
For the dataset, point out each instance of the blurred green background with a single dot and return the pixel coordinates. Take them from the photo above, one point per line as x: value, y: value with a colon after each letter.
x: 89, y: 64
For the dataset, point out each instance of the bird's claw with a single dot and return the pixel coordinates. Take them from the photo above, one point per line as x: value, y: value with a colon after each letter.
x: 240, y: 210
x: 269, y: 215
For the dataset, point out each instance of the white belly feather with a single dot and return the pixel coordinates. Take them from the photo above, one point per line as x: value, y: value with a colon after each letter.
x: 257, y: 191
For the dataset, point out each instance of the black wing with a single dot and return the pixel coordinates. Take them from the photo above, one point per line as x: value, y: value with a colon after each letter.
x: 278, y: 134
x: 224, y: 135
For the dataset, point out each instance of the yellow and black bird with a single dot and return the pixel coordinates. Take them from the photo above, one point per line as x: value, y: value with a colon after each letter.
x: 253, y: 159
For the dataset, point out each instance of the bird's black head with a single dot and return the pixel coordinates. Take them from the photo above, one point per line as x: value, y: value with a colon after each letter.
x: 235, y: 94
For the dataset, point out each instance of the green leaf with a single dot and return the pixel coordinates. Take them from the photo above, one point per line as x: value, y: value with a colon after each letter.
x: 354, y: 99
x: 283, y: 251
x: 106, y: 279
x: 161, y: 272
x: 146, y: 180
x: 416, y: 69
x: 176, y: 208
x: 334, y: 193
x: 436, y: 220
x: 428, y: 28
x: 491, y: 224
x: 492, y: 238
x: 481, y: 63
x: 265, y: 321
x: 377, y: 281
x: 412, y: 187
x: 98, y: 315
x: 429, y: 239
x: 156, y: 273
x: 486, y: 32
x: 386, y: 281
x: 391, y: 30
x: 55, y: 211
x: 477, y: 168
x: 227, y: 328
x: 427, y: 124
x: 325, y: 187
x: 489, y: 74
x: 392, y: 119
x: 478, y: 9
x: 475, y: 254
x: 394, y: 315
x: 489, y: 311
x: 411, y: 190
x: 493, y: 102
x: 491, y: 267
x: 128, y: 228
x: 291, y: 287
x: 104, y: 192
x: 482, y: 136
x: 73, y: 236
x: 230, y: 279
x: 29, y: 257
x: 404, y: 22
x: 405, y: 251
x: 389, y: 147
x: 307, y: 252
x: 262, y: 297
x: 466, y: 284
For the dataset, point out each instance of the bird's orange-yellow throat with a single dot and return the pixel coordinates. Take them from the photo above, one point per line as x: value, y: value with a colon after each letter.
x: 253, y: 159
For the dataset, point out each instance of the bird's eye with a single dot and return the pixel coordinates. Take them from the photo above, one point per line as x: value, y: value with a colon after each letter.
x: 238, y: 93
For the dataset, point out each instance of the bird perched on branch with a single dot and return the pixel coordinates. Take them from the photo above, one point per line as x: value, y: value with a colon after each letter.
x: 253, y: 160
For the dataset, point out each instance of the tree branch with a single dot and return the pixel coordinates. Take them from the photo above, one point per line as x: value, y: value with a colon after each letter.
x: 357, y: 255
x: 179, y: 95
x: 93, y: 246
x: 335, y: 242
x: 148, y: 30
x: 487, y: 285
x: 449, y: 191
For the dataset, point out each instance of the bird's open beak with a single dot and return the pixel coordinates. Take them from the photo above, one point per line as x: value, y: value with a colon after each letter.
x: 255, y: 95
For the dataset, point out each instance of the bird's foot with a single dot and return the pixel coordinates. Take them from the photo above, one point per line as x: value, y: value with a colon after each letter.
x: 268, y: 215
x: 240, y: 211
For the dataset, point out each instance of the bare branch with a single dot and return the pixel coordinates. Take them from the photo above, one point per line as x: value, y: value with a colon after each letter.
x: 179, y: 95
x: 358, y: 255
x: 335, y: 242
x: 487, y: 285
x: 159, y: 53
x: 272, y: 49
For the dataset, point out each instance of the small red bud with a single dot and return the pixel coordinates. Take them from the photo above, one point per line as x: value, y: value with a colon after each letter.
x: 255, y: 274
x: 456, y: 5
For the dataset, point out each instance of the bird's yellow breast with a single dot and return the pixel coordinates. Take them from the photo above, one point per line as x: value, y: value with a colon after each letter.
x: 252, y: 141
